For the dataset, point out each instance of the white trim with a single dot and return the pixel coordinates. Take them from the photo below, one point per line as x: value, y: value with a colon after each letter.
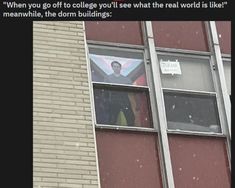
x: 190, y: 91
x: 186, y: 55
x: 227, y: 59
x: 219, y: 65
x: 182, y: 51
x: 153, y: 106
x: 160, y: 106
x: 115, y: 85
x: 112, y: 44
x: 92, y: 105
x: 124, y: 128
x: 197, y: 133
x: 216, y: 59
x: 226, y: 55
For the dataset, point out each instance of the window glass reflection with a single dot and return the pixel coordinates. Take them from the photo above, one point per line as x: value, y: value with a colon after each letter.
x: 191, y: 112
x: 125, y: 108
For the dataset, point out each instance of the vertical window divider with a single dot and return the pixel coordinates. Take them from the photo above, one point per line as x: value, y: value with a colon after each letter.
x: 224, y: 105
x: 93, y: 118
x: 159, y: 100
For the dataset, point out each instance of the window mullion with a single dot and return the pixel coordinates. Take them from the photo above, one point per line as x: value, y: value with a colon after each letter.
x: 220, y: 82
x: 219, y: 63
x: 160, y: 106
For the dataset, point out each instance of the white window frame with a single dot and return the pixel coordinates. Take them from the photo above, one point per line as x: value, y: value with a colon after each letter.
x: 125, y: 48
x: 196, y: 55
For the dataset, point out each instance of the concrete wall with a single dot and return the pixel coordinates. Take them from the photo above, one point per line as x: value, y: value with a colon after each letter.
x: 64, y: 149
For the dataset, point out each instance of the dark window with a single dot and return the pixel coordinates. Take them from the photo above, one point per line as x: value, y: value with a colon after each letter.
x: 122, y: 107
x: 191, y: 112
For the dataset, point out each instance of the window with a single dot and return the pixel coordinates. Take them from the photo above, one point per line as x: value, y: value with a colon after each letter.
x: 131, y: 65
x: 189, y: 96
x: 227, y: 74
x: 192, y: 112
x: 130, y: 111
x: 194, y: 73
x: 121, y: 92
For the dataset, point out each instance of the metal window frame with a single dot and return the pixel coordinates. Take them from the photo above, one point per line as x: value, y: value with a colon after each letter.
x: 181, y: 51
x: 187, y: 91
x: 197, y: 93
x: 168, y: 179
x: 122, y: 86
x: 205, y: 56
x: 124, y: 48
x: 217, y: 60
x: 124, y: 89
x: 129, y: 128
x: 218, y: 97
x: 186, y: 55
x: 225, y: 102
x: 226, y: 55
x: 227, y: 60
x: 112, y: 44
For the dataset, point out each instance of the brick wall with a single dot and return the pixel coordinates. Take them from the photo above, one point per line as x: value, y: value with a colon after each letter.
x: 64, y: 149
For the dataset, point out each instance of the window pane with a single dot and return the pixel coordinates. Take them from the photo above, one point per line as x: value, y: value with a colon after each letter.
x: 191, y: 73
x: 227, y: 73
x: 118, y: 67
x: 127, y: 108
x: 191, y: 112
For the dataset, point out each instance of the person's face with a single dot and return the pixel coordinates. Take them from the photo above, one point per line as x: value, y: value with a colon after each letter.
x: 116, y: 68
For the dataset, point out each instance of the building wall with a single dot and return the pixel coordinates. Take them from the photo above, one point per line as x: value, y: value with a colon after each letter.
x: 64, y: 139
x: 194, y: 154
x: 63, y: 136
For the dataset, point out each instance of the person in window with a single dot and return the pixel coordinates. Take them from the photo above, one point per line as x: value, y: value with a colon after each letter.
x: 120, y: 110
x: 116, y: 76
